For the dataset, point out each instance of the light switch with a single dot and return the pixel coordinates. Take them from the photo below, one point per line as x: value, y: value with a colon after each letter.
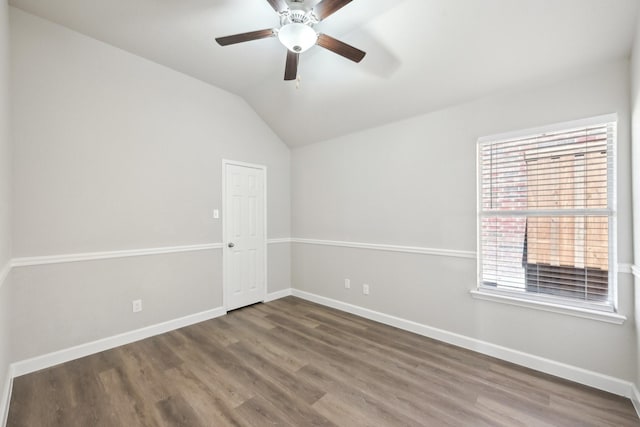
x: 216, y: 214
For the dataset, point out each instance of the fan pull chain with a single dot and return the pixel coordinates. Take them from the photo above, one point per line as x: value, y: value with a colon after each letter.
x: 298, y: 82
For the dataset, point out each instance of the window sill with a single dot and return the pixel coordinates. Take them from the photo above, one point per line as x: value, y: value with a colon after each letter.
x: 602, y: 316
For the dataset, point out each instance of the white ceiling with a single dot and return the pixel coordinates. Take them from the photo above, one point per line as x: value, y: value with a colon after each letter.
x: 422, y: 55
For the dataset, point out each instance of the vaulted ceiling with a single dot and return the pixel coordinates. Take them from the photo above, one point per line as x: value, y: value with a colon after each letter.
x: 422, y: 55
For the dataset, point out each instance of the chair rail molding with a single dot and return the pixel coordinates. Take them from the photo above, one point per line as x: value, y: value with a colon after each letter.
x: 126, y: 253
x: 389, y: 248
x: 92, y: 256
x: 455, y: 253
x: 279, y: 240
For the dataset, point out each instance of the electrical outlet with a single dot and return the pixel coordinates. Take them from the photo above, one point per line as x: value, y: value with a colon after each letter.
x: 347, y: 284
x: 365, y: 289
x: 216, y: 214
x: 137, y: 305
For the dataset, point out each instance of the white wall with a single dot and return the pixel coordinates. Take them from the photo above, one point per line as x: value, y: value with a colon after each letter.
x: 635, y: 151
x: 114, y: 152
x: 413, y: 183
x: 5, y: 200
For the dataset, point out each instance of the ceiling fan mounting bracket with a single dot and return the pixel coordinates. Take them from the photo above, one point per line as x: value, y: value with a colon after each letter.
x: 298, y: 16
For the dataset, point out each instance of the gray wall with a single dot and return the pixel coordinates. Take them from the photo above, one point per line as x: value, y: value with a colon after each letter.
x: 635, y: 149
x: 114, y: 152
x: 413, y: 183
x: 5, y: 192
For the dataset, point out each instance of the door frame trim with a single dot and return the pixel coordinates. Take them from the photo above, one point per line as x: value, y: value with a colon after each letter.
x: 225, y: 281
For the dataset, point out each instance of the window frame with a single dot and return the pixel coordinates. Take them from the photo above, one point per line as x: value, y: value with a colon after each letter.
x: 601, y: 311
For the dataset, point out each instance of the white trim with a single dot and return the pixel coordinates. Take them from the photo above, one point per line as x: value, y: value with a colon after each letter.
x: 592, y: 121
x: 277, y: 295
x: 562, y: 370
x: 55, y: 358
x: 92, y: 256
x: 585, y: 313
x: 624, y: 267
x: 279, y: 240
x: 548, y: 212
x: 389, y: 248
x: 4, y: 273
x: 635, y: 399
x: 243, y: 164
x: 6, y: 396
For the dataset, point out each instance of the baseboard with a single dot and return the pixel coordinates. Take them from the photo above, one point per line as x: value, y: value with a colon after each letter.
x: 277, y: 295
x: 55, y: 358
x: 562, y: 370
x: 635, y: 399
x: 6, y: 397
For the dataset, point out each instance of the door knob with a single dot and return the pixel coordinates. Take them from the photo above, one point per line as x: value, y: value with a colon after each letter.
x: 231, y: 244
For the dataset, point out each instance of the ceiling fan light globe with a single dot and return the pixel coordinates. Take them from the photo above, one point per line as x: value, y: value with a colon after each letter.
x: 297, y: 37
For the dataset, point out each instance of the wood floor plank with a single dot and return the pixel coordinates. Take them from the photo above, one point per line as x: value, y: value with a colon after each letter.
x: 264, y: 386
x: 376, y: 381
x: 176, y: 412
x: 249, y: 315
x: 142, y: 376
x: 403, y: 385
x: 257, y: 411
x: 87, y: 392
x: 197, y: 359
x: 123, y: 402
x: 359, y: 400
x: 217, y: 331
x: 341, y: 412
x: 210, y: 404
x: 509, y: 415
x: 286, y: 380
x: 270, y: 350
x: 295, y: 363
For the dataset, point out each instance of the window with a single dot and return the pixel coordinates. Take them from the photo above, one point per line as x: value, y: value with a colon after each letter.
x: 547, y: 214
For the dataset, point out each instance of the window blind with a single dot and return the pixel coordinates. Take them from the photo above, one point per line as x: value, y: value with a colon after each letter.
x: 546, y: 210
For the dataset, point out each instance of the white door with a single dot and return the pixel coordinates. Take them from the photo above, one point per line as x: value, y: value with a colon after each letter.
x: 244, y: 234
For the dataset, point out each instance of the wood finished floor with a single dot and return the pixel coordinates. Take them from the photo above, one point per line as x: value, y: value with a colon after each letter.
x: 294, y: 363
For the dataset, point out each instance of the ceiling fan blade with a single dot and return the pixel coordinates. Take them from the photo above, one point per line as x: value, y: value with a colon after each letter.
x: 328, y: 7
x: 278, y: 5
x: 291, y: 69
x: 245, y: 37
x: 341, y: 48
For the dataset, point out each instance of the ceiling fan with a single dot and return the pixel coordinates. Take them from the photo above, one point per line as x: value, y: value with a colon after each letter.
x: 296, y: 32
